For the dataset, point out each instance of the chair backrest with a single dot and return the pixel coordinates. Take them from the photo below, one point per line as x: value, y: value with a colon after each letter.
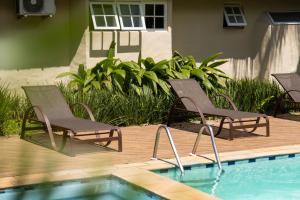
x: 50, y: 100
x: 191, y: 88
x: 290, y: 81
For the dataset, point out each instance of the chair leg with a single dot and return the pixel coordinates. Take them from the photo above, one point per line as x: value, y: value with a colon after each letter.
x: 254, y: 129
x: 230, y: 129
x: 120, y: 143
x: 71, y: 137
x: 194, y: 151
x: 64, y: 140
x: 111, y: 134
x: 220, y: 127
x: 267, y: 126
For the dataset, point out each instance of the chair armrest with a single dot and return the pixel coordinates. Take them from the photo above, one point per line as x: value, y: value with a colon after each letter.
x: 197, y: 108
x: 228, y: 99
x: 87, y: 109
x: 46, y: 121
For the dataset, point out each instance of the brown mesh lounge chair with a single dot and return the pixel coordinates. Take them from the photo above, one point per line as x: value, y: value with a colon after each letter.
x: 291, y: 97
x: 54, y: 114
x: 192, y: 99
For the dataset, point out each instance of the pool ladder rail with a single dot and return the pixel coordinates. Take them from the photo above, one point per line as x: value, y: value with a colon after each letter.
x: 206, y: 127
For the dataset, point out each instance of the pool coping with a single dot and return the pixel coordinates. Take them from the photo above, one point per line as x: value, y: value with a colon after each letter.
x: 139, y: 174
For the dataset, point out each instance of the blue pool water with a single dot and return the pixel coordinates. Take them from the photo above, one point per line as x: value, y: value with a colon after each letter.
x: 107, y: 188
x: 270, y: 178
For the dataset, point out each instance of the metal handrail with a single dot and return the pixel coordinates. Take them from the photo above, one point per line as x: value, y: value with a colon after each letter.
x: 179, y: 164
x: 209, y: 129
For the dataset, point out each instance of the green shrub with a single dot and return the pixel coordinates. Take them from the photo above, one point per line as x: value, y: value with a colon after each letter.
x: 121, y: 109
x: 207, y: 73
x: 11, y: 109
x: 146, y: 76
x: 251, y: 95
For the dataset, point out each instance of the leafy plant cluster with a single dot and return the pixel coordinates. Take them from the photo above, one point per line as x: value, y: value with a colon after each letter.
x: 251, y: 95
x: 119, y: 108
x: 145, y: 75
x: 11, y: 109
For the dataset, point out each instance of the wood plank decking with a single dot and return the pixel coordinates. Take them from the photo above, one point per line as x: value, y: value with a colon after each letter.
x: 18, y: 157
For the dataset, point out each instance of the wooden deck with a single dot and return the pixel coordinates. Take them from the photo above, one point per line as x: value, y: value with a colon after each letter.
x: 18, y: 157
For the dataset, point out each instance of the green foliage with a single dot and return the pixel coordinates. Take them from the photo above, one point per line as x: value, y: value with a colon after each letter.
x: 10, y: 109
x: 207, y: 73
x: 122, y: 109
x: 251, y: 95
x: 131, y: 108
x: 146, y: 76
x: 83, y: 80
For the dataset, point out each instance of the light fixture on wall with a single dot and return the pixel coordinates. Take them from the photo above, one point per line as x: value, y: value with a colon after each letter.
x: 36, y: 8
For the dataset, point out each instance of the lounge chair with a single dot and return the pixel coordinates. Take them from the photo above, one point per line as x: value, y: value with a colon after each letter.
x: 291, y: 97
x: 191, y: 99
x: 50, y: 110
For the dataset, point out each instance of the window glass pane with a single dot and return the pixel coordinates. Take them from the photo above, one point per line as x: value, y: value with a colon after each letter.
x: 124, y: 8
x: 100, y: 21
x: 137, y: 22
x: 231, y: 19
x: 149, y: 22
x: 108, y: 9
x: 97, y: 8
x: 159, y: 10
x: 149, y: 9
x: 127, y: 21
x: 228, y: 10
x: 111, y: 21
x: 159, y: 22
x: 285, y: 17
x: 239, y: 19
x: 236, y: 10
x: 135, y: 9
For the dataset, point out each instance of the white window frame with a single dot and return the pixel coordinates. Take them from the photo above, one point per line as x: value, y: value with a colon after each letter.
x: 154, y: 16
x: 281, y: 23
x: 96, y: 27
x: 142, y: 16
x: 230, y: 24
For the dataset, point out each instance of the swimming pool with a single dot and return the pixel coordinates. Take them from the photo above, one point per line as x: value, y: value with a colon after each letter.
x: 106, y: 188
x: 274, y: 177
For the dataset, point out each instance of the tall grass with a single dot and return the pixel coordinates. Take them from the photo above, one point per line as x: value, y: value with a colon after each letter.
x: 250, y: 95
x: 122, y: 109
x: 131, y: 109
x: 11, y: 109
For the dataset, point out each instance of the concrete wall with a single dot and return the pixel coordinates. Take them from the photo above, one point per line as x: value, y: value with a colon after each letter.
x: 156, y: 44
x: 34, y: 50
x: 255, y: 51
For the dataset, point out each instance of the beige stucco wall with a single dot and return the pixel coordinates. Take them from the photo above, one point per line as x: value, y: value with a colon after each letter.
x: 35, y: 50
x: 156, y: 44
x: 255, y: 51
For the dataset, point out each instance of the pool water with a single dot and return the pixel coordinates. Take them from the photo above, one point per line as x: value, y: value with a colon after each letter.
x: 108, y: 188
x: 274, y: 178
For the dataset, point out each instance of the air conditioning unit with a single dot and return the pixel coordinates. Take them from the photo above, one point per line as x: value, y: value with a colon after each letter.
x: 36, y: 7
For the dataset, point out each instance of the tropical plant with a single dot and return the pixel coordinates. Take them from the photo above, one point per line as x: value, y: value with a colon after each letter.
x: 109, y: 72
x: 207, y: 73
x: 84, y: 80
x: 146, y: 76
